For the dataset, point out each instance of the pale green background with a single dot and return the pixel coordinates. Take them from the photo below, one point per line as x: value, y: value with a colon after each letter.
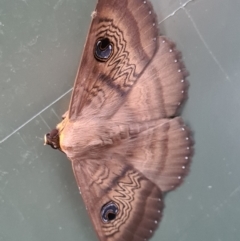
x: 40, y: 47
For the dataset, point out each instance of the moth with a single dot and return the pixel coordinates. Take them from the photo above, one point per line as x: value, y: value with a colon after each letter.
x: 122, y: 133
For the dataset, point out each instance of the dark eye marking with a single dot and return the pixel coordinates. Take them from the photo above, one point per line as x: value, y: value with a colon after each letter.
x: 109, y: 212
x: 103, y: 49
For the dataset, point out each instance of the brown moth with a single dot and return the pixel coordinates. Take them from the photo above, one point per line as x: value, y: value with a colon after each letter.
x: 121, y: 133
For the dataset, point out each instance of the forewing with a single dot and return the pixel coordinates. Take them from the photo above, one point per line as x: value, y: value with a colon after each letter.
x: 112, y: 185
x: 122, y: 40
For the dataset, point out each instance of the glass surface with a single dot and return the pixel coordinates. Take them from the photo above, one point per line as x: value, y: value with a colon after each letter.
x: 40, y: 46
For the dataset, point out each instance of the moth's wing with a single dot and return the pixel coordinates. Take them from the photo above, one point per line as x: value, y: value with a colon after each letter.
x: 102, y: 85
x: 112, y: 186
x: 161, y: 149
x: 161, y: 89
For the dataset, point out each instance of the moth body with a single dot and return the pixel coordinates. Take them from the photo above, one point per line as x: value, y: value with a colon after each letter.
x: 122, y: 132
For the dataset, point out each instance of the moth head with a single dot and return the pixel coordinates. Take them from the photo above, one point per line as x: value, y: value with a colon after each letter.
x: 52, y: 139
